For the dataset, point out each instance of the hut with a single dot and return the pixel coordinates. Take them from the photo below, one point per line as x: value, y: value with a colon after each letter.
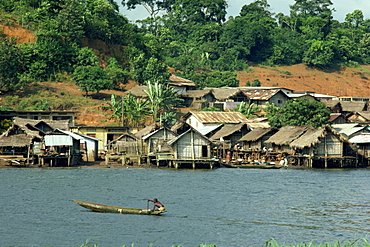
x: 198, y: 99
x: 199, y: 120
x: 180, y: 127
x: 18, y: 143
x: 157, y: 140
x: 337, y: 118
x: 124, y: 144
x: 180, y: 85
x: 192, y: 149
x: 323, y: 148
x: 230, y: 98
x: 44, y: 125
x: 230, y: 133
x: 261, y: 97
x: 362, y: 142
x: 359, y: 117
x: 281, y: 140
x: 255, y: 139
x: 62, y: 148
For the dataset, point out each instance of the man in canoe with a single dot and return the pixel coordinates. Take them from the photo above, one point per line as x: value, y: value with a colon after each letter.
x: 157, y: 205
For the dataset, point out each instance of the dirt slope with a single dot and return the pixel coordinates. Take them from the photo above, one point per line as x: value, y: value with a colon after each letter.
x: 343, y: 82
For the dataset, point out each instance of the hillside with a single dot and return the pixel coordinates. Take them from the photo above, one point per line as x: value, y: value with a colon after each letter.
x: 343, y: 82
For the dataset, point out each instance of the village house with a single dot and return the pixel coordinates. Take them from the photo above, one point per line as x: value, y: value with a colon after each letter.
x: 19, y: 142
x: 200, y: 120
x: 362, y: 142
x: 157, y: 140
x: 180, y: 85
x: 281, y: 140
x: 261, y: 97
x: 69, y: 116
x: 362, y: 117
x: 337, y: 118
x: 192, y: 149
x: 60, y: 148
x: 44, y: 125
x: 230, y: 133
x: 333, y: 105
x: 322, y: 148
x: 228, y: 97
x: 104, y: 134
x: 349, y: 130
x: 198, y: 99
x: 255, y: 139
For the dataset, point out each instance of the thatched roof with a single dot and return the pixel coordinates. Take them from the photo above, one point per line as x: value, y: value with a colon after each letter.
x: 332, y: 103
x: 125, y: 136
x: 180, y: 127
x: 196, y: 93
x: 353, y: 106
x: 312, y: 136
x: 178, y: 81
x: 138, y: 91
x: 226, y: 130
x: 53, y: 124
x: 256, y: 134
x: 218, y: 117
x: 147, y: 130
x: 18, y: 136
x: 222, y: 94
x: 364, y: 114
x: 287, y: 134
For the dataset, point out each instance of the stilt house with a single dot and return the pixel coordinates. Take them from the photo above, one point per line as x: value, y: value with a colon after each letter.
x: 280, y: 141
x: 255, y: 139
x: 324, y: 148
x: 192, y: 148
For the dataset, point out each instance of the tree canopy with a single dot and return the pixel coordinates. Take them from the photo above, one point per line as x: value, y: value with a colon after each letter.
x: 299, y: 112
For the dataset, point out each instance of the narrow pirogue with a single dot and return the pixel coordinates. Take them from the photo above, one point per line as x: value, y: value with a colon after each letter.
x: 118, y: 210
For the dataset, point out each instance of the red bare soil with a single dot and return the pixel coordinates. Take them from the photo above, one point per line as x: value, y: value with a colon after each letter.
x: 343, y: 82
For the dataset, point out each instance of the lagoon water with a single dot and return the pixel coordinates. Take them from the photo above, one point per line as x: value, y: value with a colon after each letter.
x: 227, y: 207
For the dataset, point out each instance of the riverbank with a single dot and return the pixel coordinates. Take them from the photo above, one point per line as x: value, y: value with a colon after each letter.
x: 90, y: 164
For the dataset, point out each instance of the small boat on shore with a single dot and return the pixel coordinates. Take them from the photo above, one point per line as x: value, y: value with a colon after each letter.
x: 118, y: 210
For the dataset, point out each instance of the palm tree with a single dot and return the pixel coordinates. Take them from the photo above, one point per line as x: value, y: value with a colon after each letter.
x: 162, y: 98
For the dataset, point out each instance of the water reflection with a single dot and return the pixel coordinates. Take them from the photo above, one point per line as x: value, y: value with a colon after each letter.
x: 230, y: 207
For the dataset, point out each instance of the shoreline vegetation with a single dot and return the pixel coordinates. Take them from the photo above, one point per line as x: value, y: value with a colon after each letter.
x: 359, y: 242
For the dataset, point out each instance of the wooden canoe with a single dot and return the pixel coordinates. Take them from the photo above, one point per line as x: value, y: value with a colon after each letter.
x: 113, y: 209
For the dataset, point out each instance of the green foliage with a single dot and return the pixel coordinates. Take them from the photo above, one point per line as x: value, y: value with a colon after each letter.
x: 211, y: 109
x: 162, y: 99
x: 92, y: 79
x: 361, y: 242
x: 5, y: 124
x: 116, y: 73
x: 214, y: 79
x: 248, y: 109
x: 298, y: 112
x: 10, y: 65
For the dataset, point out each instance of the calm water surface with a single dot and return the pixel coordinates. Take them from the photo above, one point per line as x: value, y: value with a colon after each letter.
x: 227, y: 207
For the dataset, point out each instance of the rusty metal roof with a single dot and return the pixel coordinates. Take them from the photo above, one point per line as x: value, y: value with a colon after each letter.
x: 178, y: 81
x: 219, y: 117
x: 260, y: 94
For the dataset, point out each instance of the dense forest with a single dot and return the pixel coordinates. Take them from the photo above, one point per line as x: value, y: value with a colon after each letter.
x: 190, y: 36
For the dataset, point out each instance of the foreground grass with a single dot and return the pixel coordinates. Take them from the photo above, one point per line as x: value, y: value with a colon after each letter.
x: 360, y: 242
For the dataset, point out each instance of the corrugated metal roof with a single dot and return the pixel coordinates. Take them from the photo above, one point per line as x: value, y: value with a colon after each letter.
x: 363, y: 138
x: 207, y: 129
x: 261, y: 94
x: 219, y: 117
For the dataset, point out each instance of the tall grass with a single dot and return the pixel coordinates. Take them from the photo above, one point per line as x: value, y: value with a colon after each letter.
x: 360, y: 242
